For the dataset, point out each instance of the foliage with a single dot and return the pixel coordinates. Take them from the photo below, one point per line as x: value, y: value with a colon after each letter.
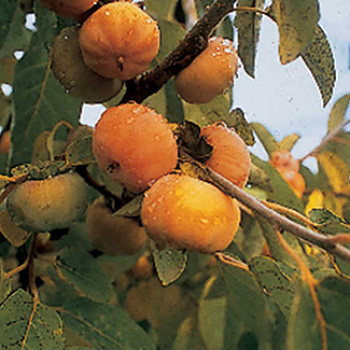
x: 268, y: 290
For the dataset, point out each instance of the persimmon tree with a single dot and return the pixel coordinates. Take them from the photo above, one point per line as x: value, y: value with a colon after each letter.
x: 126, y: 236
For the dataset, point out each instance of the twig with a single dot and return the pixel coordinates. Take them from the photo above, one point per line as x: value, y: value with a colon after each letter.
x: 252, y: 9
x: 84, y: 173
x: 275, y: 218
x: 330, y: 137
x: 190, y: 47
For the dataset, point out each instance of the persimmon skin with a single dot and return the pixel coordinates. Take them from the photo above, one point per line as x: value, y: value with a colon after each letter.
x: 44, y: 205
x: 113, y: 235
x: 186, y: 213
x: 5, y: 142
x: 142, y: 270
x: 134, y: 145
x: 69, y: 8
x: 294, y: 179
x: 119, y: 40
x: 230, y: 156
x: 210, y: 73
x: 284, y: 159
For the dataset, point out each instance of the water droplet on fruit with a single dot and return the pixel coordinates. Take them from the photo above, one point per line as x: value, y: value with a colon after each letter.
x: 107, y: 13
x: 157, y: 138
x: 204, y: 221
x: 66, y: 37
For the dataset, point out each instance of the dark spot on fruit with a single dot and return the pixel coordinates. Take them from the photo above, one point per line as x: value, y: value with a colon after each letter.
x: 112, y: 167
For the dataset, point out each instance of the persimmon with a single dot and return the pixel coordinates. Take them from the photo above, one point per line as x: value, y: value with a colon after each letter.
x: 187, y: 213
x: 69, y: 8
x: 119, y: 40
x: 113, y: 235
x: 134, y: 145
x: 5, y: 142
x: 294, y: 179
x: 284, y: 159
x: 210, y: 73
x: 230, y: 156
x: 143, y: 269
x: 53, y: 203
x: 74, y: 75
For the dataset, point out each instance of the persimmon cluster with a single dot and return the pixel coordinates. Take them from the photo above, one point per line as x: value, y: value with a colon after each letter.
x: 137, y: 148
x: 117, y: 42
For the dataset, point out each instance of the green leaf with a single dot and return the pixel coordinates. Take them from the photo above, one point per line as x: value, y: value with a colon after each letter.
x: 211, y: 322
x: 303, y: 330
x: 174, y: 110
x: 80, y: 270
x: 204, y: 114
x: 13, y: 34
x: 275, y: 281
x: 328, y: 222
x: 131, y: 209
x: 334, y: 296
x: 79, y: 152
x: 13, y: 233
x: 247, y: 315
x: 5, y: 284
x: 236, y: 119
x: 188, y: 336
x: 169, y: 263
x: 281, y: 192
x: 336, y: 117
x: 160, y: 9
x: 225, y: 29
x: 319, y: 59
x: 248, y: 26
x: 104, y: 326
x: 172, y: 34
x: 268, y: 141
x: 40, y: 102
x: 297, y: 21
x: 25, y: 324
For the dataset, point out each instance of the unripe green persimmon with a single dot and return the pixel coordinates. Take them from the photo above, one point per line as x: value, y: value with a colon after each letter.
x: 113, y: 235
x: 45, y: 205
x: 76, y: 77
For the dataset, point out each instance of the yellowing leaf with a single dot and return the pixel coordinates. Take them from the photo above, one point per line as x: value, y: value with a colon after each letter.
x: 338, y: 111
x: 315, y: 201
x: 13, y: 233
x: 335, y: 169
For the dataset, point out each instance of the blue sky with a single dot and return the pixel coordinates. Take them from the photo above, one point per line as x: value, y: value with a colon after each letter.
x: 285, y: 98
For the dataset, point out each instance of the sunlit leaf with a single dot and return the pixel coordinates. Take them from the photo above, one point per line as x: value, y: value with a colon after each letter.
x: 336, y: 170
x: 338, y: 111
x: 288, y: 142
x: 268, y: 141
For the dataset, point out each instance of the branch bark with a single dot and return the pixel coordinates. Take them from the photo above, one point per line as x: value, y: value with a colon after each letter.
x: 271, y: 216
x: 195, y: 41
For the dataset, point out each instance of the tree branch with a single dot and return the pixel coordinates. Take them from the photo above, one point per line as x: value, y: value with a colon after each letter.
x: 330, y: 137
x: 190, y: 47
x: 284, y: 223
